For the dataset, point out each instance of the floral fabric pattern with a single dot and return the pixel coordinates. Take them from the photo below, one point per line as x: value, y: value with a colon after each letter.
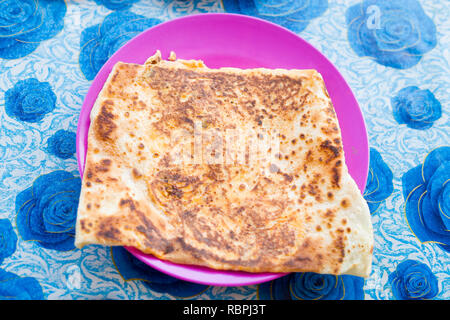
x: 294, y: 15
x: 46, y: 212
x: 131, y: 268
x: 413, y: 280
x: 416, y: 108
x: 29, y: 100
x: 99, y: 42
x: 392, y: 54
x: 12, y: 286
x: 8, y: 239
x: 312, y: 286
x: 116, y: 4
x: 426, y: 190
x: 62, y: 144
x: 379, y: 181
x: 396, y: 33
x: 24, y: 24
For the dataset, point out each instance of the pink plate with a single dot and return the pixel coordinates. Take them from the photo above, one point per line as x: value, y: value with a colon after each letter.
x: 230, y: 40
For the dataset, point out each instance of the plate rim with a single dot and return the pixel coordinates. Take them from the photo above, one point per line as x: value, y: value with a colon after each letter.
x: 82, y: 132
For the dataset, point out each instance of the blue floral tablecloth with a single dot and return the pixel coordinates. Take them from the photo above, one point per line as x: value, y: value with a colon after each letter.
x: 394, y: 55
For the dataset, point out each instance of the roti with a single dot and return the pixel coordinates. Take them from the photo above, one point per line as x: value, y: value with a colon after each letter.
x: 232, y: 169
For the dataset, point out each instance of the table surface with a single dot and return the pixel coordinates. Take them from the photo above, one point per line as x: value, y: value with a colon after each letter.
x: 393, y: 54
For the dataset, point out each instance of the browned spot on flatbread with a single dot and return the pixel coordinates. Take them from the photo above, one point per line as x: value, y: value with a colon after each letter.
x: 136, y: 173
x: 107, y: 230
x: 123, y: 76
x: 130, y: 203
x: 83, y: 226
x: 106, y: 162
x: 104, y: 123
x: 331, y: 150
x: 345, y: 203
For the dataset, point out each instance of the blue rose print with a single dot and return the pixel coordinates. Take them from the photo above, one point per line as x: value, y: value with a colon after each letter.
x: 62, y: 144
x: 8, y: 239
x: 312, y: 286
x: 116, y: 4
x: 396, y: 33
x: 416, y: 108
x: 29, y: 100
x: 413, y: 280
x: 130, y: 268
x: 13, y: 287
x: 294, y: 15
x: 99, y: 42
x: 46, y: 212
x: 25, y: 23
x: 426, y: 190
x: 379, y: 181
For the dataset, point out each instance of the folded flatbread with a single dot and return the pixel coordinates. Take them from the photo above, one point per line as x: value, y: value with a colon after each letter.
x: 226, y: 168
